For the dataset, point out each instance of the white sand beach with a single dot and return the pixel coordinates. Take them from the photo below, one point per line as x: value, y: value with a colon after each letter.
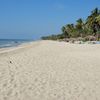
x: 50, y: 70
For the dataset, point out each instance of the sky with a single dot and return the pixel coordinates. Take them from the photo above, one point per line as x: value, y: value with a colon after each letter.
x: 31, y: 19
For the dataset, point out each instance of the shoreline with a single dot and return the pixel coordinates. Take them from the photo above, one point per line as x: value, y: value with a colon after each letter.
x: 21, y: 45
x: 26, y: 44
x: 34, y: 43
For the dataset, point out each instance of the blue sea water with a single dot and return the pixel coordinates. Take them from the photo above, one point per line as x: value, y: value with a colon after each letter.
x: 11, y: 42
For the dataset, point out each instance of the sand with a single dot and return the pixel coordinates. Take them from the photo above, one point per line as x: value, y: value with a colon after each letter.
x: 50, y: 70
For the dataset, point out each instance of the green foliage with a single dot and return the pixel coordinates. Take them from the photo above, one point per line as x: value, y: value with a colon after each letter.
x: 81, y: 29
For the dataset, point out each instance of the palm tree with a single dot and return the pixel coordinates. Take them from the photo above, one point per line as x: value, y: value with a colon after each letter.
x: 70, y: 28
x: 65, y: 33
x: 90, y: 27
x: 91, y: 20
x: 98, y: 19
x: 80, y: 26
x: 98, y: 26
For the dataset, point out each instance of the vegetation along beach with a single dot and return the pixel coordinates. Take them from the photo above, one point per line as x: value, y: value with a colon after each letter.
x: 88, y: 30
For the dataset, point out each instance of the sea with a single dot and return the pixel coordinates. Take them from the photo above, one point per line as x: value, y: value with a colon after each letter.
x: 4, y: 43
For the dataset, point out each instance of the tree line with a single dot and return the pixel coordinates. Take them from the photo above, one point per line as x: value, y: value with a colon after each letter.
x: 89, y: 27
